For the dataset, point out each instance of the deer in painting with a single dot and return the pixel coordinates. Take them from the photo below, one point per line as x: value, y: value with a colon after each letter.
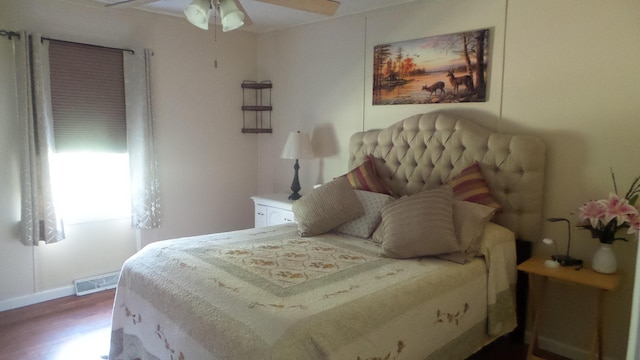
x: 465, y: 80
x: 434, y: 88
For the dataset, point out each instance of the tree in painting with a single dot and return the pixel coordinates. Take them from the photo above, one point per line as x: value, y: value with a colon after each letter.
x: 441, y: 69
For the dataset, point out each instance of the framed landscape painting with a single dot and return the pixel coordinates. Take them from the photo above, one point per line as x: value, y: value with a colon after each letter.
x: 448, y: 68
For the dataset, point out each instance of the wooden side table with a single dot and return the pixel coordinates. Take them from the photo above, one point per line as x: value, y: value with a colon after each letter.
x: 584, y: 276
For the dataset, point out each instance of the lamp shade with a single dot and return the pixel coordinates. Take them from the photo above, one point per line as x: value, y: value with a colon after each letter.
x: 298, y: 146
x: 230, y: 16
x: 198, y: 13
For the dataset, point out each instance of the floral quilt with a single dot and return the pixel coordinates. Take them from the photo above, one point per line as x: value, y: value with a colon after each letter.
x: 268, y: 293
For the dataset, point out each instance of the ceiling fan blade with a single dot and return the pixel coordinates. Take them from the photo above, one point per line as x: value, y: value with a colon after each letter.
x: 323, y: 7
x: 247, y: 19
x: 129, y: 3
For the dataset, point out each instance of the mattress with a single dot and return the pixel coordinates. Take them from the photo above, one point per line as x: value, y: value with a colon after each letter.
x: 268, y: 293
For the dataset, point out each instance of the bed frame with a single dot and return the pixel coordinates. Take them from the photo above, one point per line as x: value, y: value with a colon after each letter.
x: 229, y: 296
x: 441, y: 145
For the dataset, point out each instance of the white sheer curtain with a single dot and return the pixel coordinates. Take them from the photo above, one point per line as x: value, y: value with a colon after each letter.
x: 39, y: 218
x: 145, y: 189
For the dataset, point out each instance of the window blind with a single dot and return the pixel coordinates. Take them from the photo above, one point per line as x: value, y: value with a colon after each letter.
x: 87, y: 98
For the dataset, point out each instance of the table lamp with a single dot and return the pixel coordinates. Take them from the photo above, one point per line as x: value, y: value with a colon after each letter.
x: 565, y: 260
x: 298, y: 146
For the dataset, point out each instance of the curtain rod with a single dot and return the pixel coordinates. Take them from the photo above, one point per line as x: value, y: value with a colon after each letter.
x: 9, y: 33
x: 79, y: 43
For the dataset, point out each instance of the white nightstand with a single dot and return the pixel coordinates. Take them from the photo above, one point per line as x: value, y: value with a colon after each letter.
x: 272, y: 209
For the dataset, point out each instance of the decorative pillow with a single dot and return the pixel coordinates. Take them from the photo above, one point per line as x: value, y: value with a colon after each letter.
x: 469, y: 220
x: 365, y: 177
x: 418, y: 225
x: 469, y: 185
x: 327, y: 207
x: 365, y: 225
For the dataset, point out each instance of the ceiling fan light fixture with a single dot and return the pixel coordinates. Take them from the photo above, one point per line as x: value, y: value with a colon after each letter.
x: 198, y: 13
x: 230, y: 16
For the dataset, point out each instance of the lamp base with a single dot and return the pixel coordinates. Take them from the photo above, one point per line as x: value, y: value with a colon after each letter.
x: 551, y: 264
x: 295, y: 185
x: 566, y: 260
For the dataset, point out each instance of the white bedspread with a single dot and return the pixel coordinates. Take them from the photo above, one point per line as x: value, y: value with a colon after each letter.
x: 267, y: 293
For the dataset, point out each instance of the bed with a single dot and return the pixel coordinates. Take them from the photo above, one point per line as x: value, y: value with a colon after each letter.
x: 364, y: 288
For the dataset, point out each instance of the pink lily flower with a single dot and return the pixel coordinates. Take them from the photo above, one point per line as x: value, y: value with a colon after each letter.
x: 634, y: 223
x: 618, y: 209
x: 592, y: 212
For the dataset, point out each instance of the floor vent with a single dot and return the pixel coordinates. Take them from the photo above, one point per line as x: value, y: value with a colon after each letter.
x: 96, y: 283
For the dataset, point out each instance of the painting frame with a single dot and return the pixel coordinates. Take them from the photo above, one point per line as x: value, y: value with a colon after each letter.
x: 449, y: 68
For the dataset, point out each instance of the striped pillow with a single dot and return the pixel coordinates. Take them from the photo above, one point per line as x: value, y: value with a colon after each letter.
x: 365, y: 177
x: 418, y: 225
x: 469, y: 185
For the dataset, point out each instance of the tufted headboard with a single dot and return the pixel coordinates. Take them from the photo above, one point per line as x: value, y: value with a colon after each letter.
x: 424, y: 151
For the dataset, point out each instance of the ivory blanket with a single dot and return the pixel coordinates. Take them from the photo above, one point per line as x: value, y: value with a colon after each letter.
x: 267, y: 293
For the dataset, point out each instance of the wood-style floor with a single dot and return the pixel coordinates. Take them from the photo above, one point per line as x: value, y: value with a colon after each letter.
x: 69, y: 328
x: 77, y: 328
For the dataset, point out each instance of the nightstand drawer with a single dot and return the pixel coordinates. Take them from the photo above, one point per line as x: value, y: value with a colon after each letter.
x: 278, y: 216
x: 272, y: 209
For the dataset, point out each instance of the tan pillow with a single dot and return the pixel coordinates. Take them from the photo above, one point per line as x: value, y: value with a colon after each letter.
x: 327, y: 207
x: 418, y: 225
x: 469, y: 220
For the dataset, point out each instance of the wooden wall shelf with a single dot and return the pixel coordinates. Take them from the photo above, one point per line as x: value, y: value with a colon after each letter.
x: 255, y: 102
x: 247, y: 84
x: 256, y: 108
x: 256, y: 131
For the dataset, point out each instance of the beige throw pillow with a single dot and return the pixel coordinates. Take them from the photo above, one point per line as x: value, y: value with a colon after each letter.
x: 418, y: 225
x: 327, y: 207
x: 469, y: 220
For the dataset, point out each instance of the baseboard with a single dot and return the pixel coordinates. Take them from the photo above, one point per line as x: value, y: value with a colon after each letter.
x: 38, y: 297
x: 562, y: 349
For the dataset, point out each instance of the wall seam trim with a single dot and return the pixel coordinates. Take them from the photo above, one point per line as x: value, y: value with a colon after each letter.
x: 364, y: 75
x: 504, y: 58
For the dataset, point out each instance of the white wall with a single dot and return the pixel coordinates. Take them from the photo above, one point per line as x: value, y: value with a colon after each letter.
x: 570, y: 77
x: 197, y: 123
x: 317, y: 78
x: 565, y: 71
x: 322, y: 81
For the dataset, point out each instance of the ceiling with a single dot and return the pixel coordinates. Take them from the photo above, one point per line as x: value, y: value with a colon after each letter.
x: 265, y: 17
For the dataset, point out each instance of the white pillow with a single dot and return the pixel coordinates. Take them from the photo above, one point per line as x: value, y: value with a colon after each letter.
x: 364, y: 226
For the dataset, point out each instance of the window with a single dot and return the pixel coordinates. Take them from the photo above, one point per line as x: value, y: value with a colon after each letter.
x: 90, y: 169
x: 91, y: 186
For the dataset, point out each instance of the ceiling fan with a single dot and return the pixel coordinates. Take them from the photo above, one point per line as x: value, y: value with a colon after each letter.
x: 231, y: 12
